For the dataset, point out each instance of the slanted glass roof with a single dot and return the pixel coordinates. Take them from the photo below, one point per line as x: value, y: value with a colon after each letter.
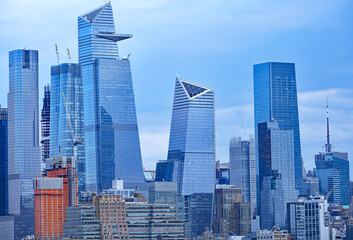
x: 193, y: 90
x: 91, y: 16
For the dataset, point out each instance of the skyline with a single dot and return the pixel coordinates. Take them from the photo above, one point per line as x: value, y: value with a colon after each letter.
x: 229, y: 62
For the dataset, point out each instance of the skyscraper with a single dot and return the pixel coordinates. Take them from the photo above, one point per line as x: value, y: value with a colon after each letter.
x: 275, y: 98
x: 276, y: 179
x: 3, y: 162
x: 45, y: 123
x: 192, y: 137
x: 332, y: 170
x: 111, y: 131
x: 66, y: 85
x: 24, y: 152
x: 243, y: 168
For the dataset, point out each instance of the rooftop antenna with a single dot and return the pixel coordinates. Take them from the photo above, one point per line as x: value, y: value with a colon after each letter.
x: 68, y: 54
x: 244, y: 126
x: 57, y: 53
x: 328, y: 144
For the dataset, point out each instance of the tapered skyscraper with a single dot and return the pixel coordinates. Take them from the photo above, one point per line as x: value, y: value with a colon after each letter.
x: 24, y: 152
x: 192, y: 138
x: 111, y: 132
x: 275, y: 98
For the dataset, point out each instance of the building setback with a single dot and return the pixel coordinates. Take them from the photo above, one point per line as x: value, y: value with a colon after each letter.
x: 24, y: 152
x: 111, y: 131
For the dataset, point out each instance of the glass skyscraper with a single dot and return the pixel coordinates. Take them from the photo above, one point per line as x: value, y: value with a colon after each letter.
x: 111, y: 131
x: 192, y: 137
x: 24, y: 152
x: 3, y: 162
x: 332, y: 169
x: 243, y: 168
x: 276, y: 179
x: 66, y: 80
x: 275, y: 98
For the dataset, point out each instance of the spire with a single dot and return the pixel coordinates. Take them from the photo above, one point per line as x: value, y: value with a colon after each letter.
x: 328, y: 145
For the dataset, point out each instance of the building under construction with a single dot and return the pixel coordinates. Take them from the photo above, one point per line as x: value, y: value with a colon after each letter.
x: 55, y: 190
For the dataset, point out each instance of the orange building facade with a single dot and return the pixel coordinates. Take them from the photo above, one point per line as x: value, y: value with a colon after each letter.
x: 51, y: 197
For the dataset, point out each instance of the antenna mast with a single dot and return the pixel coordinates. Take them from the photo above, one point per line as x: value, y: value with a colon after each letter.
x: 328, y: 144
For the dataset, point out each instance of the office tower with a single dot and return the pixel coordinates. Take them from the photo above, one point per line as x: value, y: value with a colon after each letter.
x: 308, y: 218
x: 151, y: 221
x: 275, y: 98
x: 66, y: 112
x: 162, y: 193
x: 225, y: 197
x: 24, y: 153
x: 241, y: 216
x: 111, y: 132
x: 192, y: 137
x: 276, y: 179
x: 332, y: 169
x: 3, y: 162
x: 52, y: 194
x: 243, y: 168
x: 45, y: 123
x: 222, y: 173
x: 82, y: 222
x: 197, y: 211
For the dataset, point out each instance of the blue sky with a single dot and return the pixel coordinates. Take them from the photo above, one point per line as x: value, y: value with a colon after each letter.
x: 212, y: 43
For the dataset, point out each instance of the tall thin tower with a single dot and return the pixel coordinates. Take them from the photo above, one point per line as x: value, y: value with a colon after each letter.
x: 24, y: 156
x: 328, y: 145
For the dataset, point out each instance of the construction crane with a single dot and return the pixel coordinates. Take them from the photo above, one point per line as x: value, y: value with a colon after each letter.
x: 318, y: 193
x: 68, y: 54
x: 57, y: 54
x: 72, y: 169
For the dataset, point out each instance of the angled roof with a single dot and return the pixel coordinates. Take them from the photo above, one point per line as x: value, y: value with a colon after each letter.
x: 92, y: 15
x: 192, y: 89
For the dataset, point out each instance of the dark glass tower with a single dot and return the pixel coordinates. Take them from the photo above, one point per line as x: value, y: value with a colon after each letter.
x: 275, y: 98
x: 66, y: 80
x: 276, y: 179
x: 111, y: 131
x: 45, y: 123
x: 3, y: 162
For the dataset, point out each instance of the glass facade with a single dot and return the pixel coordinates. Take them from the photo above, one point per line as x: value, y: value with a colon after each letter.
x: 243, y: 168
x: 276, y: 179
x: 111, y: 131
x: 332, y: 169
x: 192, y: 137
x: 275, y: 98
x: 3, y: 162
x: 24, y: 152
x: 66, y: 79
